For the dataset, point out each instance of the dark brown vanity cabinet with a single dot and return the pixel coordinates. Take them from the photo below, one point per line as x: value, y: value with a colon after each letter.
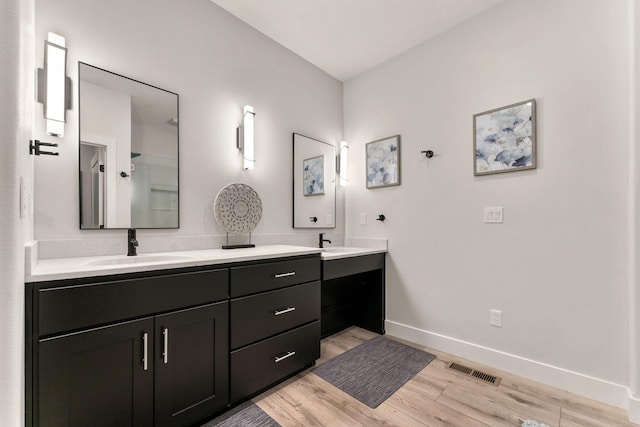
x: 353, y: 293
x: 167, y: 348
x: 129, y: 352
x: 275, y: 323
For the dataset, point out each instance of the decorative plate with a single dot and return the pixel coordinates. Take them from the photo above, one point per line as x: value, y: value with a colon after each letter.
x: 238, y: 208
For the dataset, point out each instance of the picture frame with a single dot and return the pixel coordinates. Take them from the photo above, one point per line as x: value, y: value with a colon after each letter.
x: 383, y: 162
x: 313, y: 176
x: 504, y: 139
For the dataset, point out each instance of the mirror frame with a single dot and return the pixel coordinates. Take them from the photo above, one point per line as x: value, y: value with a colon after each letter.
x: 333, y: 181
x: 80, y: 64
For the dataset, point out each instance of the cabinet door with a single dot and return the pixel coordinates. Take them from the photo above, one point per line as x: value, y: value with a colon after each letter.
x: 191, y: 364
x: 97, y: 377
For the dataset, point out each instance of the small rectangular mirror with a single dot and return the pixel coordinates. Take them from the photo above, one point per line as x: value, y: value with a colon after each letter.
x: 128, y: 152
x: 314, y: 183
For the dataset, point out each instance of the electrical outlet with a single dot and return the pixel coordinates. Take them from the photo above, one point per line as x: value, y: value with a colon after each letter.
x: 493, y: 215
x: 495, y: 318
x: 363, y: 218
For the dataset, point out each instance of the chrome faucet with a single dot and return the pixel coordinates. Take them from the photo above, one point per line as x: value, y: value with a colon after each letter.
x: 132, y: 242
x: 321, y: 240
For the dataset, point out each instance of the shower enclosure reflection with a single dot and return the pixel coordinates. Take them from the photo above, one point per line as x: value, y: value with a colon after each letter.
x: 128, y: 153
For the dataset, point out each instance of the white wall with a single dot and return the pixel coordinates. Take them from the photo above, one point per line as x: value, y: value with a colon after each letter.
x: 557, y: 267
x: 16, y: 93
x: 216, y: 64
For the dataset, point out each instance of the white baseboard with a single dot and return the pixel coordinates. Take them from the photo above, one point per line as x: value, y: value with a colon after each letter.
x: 574, y: 382
x: 634, y: 409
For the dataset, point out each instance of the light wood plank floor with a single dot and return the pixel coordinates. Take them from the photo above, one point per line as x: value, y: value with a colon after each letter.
x: 436, y: 396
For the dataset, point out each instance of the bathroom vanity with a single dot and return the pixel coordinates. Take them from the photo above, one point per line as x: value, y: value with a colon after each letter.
x: 170, y: 339
x: 166, y: 345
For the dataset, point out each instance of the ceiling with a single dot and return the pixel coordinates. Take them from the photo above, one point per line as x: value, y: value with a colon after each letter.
x: 348, y: 37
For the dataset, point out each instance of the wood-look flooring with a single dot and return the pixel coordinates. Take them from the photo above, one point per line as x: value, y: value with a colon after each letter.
x: 437, y: 396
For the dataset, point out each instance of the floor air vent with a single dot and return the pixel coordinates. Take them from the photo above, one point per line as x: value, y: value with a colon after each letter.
x: 481, y: 376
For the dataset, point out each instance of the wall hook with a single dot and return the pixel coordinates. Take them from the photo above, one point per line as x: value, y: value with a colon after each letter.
x: 34, y: 148
x: 427, y: 153
x: 313, y: 218
x: 124, y: 174
x: 381, y: 218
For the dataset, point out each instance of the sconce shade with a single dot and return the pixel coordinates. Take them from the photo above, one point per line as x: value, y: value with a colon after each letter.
x: 55, y: 71
x: 245, y: 137
x: 342, y: 163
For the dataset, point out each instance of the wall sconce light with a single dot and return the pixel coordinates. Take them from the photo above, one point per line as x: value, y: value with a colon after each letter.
x: 54, y: 87
x: 342, y: 163
x: 245, y: 137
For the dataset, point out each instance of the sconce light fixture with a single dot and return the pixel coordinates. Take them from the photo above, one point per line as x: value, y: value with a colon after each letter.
x: 245, y: 137
x: 342, y: 164
x: 54, y: 86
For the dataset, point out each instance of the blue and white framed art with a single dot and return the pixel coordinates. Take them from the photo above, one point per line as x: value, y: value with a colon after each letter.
x: 504, y: 139
x: 383, y: 162
x: 313, y: 176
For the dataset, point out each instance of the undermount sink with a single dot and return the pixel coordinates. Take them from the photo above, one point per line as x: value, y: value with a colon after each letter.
x: 139, y: 259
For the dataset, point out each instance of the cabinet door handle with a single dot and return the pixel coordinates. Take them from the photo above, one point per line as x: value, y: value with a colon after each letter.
x: 145, y: 351
x: 286, y: 356
x: 165, y: 345
x: 286, y: 310
x: 291, y: 273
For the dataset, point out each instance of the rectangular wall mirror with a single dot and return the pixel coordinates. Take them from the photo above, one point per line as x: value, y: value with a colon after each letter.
x: 314, y: 183
x: 128, y: 152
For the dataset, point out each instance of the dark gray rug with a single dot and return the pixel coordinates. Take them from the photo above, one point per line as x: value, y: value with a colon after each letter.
x: 374, y: 370
x: 246, y: 415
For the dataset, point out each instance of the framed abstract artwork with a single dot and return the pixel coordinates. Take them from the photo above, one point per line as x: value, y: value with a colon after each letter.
x: 383, y: 162
x: 313, y: 176
x: 504, y: 139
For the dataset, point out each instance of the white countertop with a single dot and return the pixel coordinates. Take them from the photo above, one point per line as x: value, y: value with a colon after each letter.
x: 72, y: 268
x: 337, y: 252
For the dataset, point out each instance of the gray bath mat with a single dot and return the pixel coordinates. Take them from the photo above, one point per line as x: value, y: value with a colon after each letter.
x: 246, y: 415
x: 374, y: 370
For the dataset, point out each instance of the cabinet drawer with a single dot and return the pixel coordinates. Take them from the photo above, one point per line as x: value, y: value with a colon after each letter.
x: 79, y: 306
x: 352, y: 265
x: 273, y: 275
x: 266, y: 362
x: 263, y: 315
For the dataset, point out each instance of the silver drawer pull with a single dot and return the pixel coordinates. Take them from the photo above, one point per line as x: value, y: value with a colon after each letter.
x: 145, y: 338
x: 286, y: 310
x: 291, y: 273
x: 165, y: 354
x: 286, y: 356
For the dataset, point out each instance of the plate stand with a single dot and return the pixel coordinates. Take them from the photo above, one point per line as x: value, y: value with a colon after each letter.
x: 245, y: 245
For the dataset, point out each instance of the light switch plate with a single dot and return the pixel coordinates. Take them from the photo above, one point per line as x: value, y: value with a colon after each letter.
x: 363, y: 218
x: 329, y: 219
x: 493, y: 215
